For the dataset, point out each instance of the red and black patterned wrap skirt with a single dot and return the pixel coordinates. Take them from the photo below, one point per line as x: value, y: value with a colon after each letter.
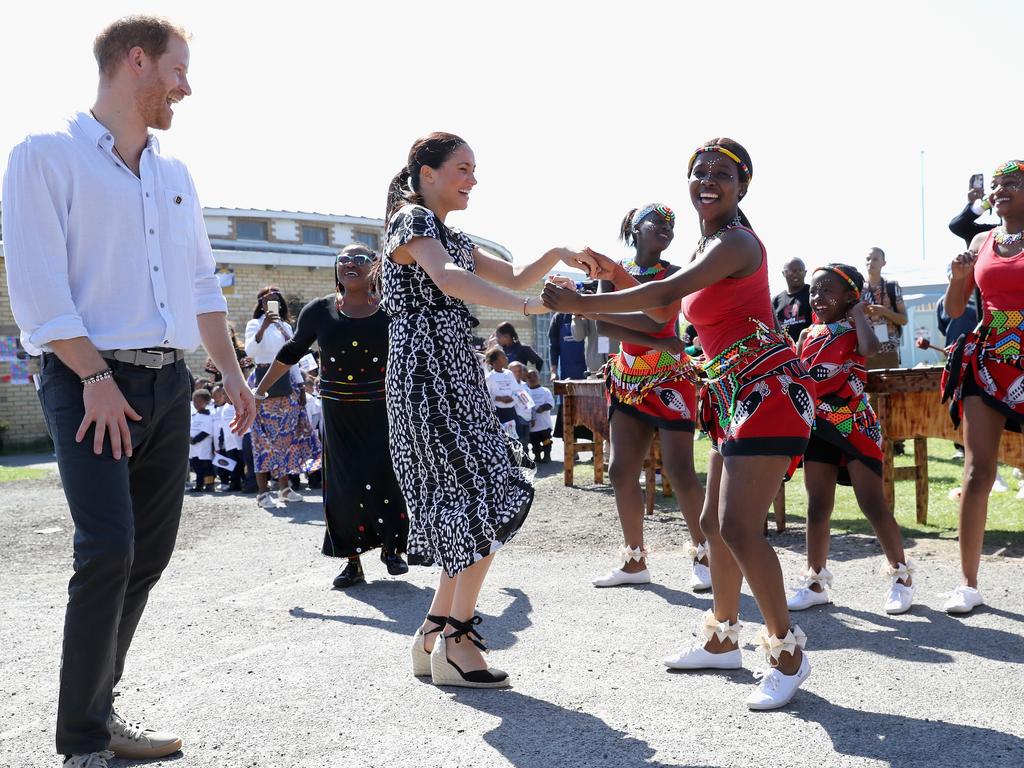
x: 758, y: 399
x: 843, y: 416
x: 988, y: 362
x: 655, y: 387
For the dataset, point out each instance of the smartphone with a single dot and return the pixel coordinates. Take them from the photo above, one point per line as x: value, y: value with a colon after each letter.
x: 978, y: 182
x: 273, y: 307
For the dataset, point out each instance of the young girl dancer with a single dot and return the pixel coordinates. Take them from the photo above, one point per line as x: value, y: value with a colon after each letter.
x: 846, y: 445
x: 652, y: 391
x: 985, y: 371
x: 458, y: 469
x: 758, y: 405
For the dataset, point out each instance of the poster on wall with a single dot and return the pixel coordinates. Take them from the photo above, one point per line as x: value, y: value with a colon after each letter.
x: 19, y: 372
x: 9, y: 348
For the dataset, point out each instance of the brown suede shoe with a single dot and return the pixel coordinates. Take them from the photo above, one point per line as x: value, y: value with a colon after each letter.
x: 134, y: 742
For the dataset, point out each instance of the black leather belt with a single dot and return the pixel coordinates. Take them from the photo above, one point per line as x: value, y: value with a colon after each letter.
x: 145, y: 358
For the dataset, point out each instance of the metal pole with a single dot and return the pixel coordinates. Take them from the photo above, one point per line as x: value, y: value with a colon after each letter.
x: 923, y: 257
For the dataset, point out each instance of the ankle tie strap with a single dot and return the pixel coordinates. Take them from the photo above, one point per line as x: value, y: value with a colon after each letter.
x: 810, y: 576
x: 630, y: 554
x: 467, y: 629
x: 698, y: 551
x: 773, y: 647
x: 439, y: 620
x: 723, y: 630
x: 900, y: 571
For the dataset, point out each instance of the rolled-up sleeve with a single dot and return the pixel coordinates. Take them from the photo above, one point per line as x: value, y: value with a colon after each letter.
x: 35, y: 218
x: 206, y: 292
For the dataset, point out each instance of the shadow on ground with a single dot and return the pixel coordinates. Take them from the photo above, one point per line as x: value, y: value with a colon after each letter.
x: 404, y: 605
x: 896, y: 740
x: 534, y: 733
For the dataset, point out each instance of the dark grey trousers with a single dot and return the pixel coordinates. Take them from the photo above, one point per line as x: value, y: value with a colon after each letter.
x: 126, y: 515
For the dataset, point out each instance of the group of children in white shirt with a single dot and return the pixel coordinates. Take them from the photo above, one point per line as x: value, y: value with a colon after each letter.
x: 523, y: 406
x: 215, y: 449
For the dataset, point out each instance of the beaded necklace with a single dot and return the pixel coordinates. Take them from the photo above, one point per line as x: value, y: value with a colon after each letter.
x: 1003, y: 237
x: 636, y: 270
x: 704, y: 240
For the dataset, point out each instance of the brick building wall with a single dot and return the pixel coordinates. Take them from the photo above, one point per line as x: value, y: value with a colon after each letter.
x: 19, y: 405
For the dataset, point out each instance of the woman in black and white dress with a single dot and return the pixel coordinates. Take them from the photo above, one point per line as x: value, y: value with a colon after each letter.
x: 459, y: 471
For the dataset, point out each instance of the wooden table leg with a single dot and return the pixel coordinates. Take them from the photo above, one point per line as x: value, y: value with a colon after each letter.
x: 598, y: 458
x: 888, y: 479
x: 568, y: 437
x: 921, y: 463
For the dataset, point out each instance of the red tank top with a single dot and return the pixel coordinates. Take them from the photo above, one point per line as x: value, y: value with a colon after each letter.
x: 669, y: 329
x: 1000, y: 279
x: 721, y: 312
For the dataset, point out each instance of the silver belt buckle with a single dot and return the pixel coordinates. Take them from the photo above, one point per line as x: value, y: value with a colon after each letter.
x: 149, y: 359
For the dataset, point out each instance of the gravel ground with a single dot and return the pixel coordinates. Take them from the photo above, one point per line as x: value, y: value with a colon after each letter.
x: 249, y: 655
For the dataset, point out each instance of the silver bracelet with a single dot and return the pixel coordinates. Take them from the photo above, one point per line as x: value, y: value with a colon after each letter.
x: 106, y: 373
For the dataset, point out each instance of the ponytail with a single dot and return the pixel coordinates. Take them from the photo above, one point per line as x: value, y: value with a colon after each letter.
x: 626, y: 228
x: 400, y: 192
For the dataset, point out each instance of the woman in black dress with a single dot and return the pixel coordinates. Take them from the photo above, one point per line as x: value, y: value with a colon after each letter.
x: 363, y: 504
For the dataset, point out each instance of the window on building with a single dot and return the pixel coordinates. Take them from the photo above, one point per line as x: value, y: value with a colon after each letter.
x: 369, y: 239
x: 250, y: 230
x: 314, y: 235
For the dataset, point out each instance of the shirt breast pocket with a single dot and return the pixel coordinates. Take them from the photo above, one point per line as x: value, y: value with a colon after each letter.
x: 180, y: 217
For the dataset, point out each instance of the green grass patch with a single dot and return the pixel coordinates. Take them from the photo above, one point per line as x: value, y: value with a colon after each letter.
x: 13, y: 474
x: 1005, y: 512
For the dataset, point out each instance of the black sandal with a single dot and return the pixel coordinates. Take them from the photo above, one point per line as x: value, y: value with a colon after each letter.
x: 444, y: 672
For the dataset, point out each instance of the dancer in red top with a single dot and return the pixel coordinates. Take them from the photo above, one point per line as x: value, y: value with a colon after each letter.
x: 651, y: 391
x: 758, y: 407
x: 985, y: 371
x: 846, y: 445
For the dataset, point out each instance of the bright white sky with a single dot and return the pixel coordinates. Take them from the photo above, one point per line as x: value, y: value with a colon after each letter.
x: 577, y: 111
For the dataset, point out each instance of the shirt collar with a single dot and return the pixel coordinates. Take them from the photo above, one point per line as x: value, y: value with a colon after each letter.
x: 97, y: 134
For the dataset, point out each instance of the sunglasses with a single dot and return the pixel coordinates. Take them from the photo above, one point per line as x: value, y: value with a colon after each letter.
x: 359, y: 260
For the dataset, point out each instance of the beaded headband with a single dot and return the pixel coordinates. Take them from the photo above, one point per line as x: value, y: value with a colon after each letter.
x: 663, y: 210
x: 744, y: 169
x: 842, y: 275
x: 1011, y: 166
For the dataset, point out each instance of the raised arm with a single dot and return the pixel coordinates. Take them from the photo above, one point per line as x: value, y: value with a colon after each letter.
x: 737, y: 254
x: 522, y: 276
x: 961, y: 284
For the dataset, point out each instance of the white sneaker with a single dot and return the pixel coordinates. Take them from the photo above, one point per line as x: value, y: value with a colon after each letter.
x: 91, y: 760
x: 899, y: 597
x: 963, y: 599
x: 804, y: 597
x: 700, y: 577
x: 700, y: 574
x: 287, y: 494
x: 266, y: 501
x: 696, y: 657
x: 618, y: 577
x: 1020, y: 491
x: 776, y: 689
x: 999, y: 486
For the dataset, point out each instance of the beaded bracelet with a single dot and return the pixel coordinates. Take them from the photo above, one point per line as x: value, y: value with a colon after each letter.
x: 106, y: 373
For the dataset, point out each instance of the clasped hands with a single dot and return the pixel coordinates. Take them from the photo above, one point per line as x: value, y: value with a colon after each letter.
x: 560, y: 292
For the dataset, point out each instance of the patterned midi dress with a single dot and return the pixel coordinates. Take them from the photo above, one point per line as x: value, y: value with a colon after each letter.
x: 459, y: 471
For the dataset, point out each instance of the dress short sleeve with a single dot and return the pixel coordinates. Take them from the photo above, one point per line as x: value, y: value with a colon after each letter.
x: 411, y: 221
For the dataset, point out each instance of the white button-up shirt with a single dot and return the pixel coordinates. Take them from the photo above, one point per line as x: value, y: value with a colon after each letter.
x: 92, y: 250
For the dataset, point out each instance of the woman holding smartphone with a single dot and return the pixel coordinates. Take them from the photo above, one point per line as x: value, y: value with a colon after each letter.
x: 282, y: 441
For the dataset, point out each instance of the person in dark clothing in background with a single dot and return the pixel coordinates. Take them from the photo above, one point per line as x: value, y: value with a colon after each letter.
x: 792, y: 307
x: 568, y: 356
x: 568, y: 361
x: 965, y: 224
x: 507, y: 338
